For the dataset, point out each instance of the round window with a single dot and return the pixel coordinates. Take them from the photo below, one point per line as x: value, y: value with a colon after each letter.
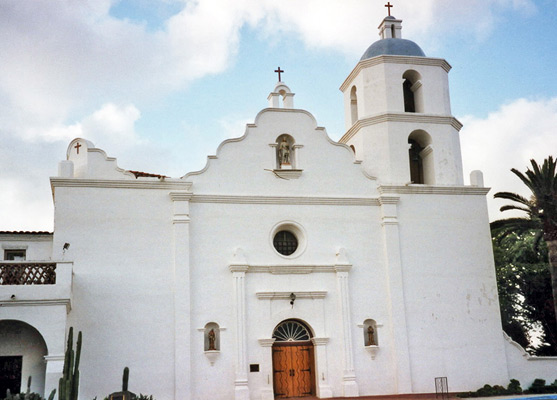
x: 288, y: 239
x: 285, y: 242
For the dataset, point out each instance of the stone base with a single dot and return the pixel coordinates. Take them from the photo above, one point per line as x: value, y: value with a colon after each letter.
x: 324, y: 392
x: 267, y: 394
x: 241, y: 390
x: 350, y: 388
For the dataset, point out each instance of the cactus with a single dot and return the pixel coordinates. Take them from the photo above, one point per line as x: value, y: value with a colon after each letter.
x: 125, y: 379
x: 68, y: 385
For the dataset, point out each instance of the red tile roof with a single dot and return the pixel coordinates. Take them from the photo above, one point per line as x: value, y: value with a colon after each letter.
x: 146, y: 174
x: 25, y: 233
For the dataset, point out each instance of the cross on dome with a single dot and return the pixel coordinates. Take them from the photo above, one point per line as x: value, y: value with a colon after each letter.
x: 389, y: 6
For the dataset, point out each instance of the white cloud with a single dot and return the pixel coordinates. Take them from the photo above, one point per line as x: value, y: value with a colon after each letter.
x: 509, y: 138
x: 62, y: 59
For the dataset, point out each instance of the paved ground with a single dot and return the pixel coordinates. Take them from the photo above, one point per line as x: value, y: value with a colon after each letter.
x: 432, y: 396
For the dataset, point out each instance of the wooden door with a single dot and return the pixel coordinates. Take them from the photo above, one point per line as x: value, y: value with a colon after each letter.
x: 293, y: 371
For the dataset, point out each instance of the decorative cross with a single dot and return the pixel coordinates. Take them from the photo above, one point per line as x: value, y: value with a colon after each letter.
x: 279, y: 71
x: 77, y: 146
x: 389, y: 6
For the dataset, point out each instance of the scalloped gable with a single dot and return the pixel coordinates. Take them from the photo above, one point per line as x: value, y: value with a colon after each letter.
x: 91, y: 162
x: 248, y: 165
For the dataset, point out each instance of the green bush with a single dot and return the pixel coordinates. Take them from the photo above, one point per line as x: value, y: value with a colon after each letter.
x: 497, y: 390
x: 539, y: 387
x: 514, y: 387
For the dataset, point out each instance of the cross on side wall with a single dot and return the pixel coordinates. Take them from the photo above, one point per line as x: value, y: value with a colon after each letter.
x: 77, y: 146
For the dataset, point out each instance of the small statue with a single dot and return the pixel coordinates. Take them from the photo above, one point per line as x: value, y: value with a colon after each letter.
x: 284, y: 152
x: 371, y: 336
x: 212, y: 338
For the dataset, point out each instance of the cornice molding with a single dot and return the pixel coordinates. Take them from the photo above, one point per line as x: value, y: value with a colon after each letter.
x: 180, y: 196
x: 31, y: 303
x: 393, y: 59
x: 290, y: 200
x: 286, y: 295
x: 414, y: 118
x: 320, y: 341
x: 238, y: 268
x: 8, y: 237
x: 389, y: 199
x: 266, y: 342
x: 427, y: 189
x: 162, y: 184
x: 54, y: 358
x: 291, y: 269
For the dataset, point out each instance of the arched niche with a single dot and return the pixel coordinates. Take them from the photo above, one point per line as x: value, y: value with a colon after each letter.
x: 285, y: 154
x: 22, y: 352
x: 211, y: 337
x: 420, y: 154
x: 412, y: 91
x: 353, y: 105
x: 371, y: 337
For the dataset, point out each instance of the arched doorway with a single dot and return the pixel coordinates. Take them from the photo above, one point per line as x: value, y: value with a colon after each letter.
x: 293, y: 360
x: 22, y: 351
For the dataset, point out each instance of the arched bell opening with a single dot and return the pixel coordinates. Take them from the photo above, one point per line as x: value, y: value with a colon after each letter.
x: 353, y: 105
x: 412, y: 92
x: 420, y: 155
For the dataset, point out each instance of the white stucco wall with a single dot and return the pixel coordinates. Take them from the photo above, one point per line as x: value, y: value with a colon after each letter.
x: 38, y: 247
x: 122, y: 287
x: 525, y: 367
x: 450, y: 291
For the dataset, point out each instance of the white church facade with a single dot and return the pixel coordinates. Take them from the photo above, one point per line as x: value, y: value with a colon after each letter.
x: 290, y: 266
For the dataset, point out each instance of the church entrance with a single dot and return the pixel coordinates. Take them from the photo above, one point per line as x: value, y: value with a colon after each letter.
x: 10, y: 374
x: 293, y: 361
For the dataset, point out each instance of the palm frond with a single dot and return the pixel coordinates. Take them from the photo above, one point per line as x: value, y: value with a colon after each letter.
x: 513, y: 197
x: 504, y: 227
x: 512, y: 207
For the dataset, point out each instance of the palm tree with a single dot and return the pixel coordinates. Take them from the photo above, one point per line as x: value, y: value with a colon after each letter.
x: 541, y: 209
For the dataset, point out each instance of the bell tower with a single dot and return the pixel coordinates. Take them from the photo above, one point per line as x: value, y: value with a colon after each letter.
x: 398, y: 113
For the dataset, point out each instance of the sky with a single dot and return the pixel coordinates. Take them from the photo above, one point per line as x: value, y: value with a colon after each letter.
x: 159, y: 84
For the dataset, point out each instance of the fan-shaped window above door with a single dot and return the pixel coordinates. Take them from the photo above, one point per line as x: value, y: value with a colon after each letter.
x: 291, y: 331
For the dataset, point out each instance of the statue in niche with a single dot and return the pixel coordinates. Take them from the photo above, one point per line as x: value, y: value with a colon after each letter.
x: 371, y: 336
x: 212, y: 339
x: 284, y: 152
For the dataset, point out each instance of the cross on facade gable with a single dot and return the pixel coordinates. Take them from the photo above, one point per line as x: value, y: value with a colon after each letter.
x: 279, y: 71
x: 77, y: 146
x: 389, y: 6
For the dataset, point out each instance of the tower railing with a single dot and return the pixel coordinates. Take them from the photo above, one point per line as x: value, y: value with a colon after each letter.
x: 27, y: 273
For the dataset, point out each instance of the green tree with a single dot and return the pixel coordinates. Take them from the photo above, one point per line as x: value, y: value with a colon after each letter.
x: 525, y: 291
x: 541, y: 210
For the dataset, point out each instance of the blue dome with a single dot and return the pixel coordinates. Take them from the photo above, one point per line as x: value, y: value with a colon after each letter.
x: 394, y: 47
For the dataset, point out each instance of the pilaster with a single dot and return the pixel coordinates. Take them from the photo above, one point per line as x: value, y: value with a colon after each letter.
x: 182, y: 294
x: 349, y: 384
x: 324, y: 390
x: 54, y: 371
x: 397, y: 309
x: 238, y: 268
